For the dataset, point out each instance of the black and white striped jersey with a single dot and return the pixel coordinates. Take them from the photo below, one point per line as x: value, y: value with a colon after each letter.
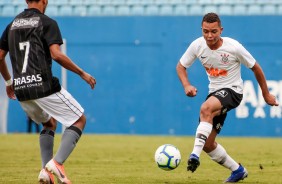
x: 27, y: 38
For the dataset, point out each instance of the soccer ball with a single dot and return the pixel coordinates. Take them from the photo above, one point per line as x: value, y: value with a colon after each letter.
x: 167, y: 157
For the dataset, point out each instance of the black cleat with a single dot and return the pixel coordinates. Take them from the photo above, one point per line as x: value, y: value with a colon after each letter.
x: 193, y: 163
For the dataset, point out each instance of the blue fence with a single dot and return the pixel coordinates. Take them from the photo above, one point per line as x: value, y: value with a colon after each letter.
x: 138, y: 91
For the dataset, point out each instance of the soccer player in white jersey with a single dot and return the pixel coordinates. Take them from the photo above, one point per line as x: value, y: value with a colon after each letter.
x: 222, y: 58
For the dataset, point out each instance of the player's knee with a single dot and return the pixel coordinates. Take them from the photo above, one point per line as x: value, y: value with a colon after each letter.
x: 205, y: 111
x: 50, y: 124
x: 80, y: 123
x: 83, y: 119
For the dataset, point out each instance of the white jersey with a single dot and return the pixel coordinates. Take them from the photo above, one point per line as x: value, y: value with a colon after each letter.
x: 223, y: 65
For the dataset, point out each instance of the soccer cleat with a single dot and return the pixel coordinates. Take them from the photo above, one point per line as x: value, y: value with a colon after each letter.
x: 58, y: 170
x: 193, y: 163
x: 45, y: 177
x: 237, y: 175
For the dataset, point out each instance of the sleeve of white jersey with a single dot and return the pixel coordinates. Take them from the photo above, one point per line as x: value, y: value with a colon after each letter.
x: 190, y: 55
x: 244, y: 56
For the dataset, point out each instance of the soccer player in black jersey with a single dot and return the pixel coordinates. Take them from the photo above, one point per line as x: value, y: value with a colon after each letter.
x: 32, y: 40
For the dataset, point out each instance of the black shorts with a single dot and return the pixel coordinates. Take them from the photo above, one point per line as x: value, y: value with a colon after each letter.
x: 229, y: 100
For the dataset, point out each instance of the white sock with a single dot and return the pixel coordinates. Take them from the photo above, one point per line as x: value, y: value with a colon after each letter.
x: 220, y: 156
x: 203, y: 131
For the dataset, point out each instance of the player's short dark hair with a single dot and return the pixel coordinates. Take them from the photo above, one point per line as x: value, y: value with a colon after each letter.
x: 211, y: 18
x: 33, y: 0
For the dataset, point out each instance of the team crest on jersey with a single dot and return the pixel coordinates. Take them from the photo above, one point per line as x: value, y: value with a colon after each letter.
x: 224, y: 58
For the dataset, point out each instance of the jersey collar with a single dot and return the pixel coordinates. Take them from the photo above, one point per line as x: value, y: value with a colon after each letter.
x: 32, y: 9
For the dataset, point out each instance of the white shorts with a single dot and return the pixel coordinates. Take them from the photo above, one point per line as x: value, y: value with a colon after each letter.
x: 61, y: 106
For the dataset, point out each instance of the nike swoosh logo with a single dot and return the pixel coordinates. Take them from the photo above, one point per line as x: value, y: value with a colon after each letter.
x: 63, y: 176
x: 203, y: 57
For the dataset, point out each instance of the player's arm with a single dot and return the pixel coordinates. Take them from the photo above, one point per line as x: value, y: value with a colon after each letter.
x: 183, y: 77
x: 3, y: 67
x: 269, y: 98
x: 6, y: 75
x: 67, y: 63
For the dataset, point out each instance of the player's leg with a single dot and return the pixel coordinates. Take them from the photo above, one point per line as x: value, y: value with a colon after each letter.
x: 218, y: 153
x: 220, y: 156
x: 69, y: 140
x: 46, y: 141
x: 215, y: 150
x: 66, y: 110
x: 210, y: 108
x: 46, y: 138
x: 70, y: 137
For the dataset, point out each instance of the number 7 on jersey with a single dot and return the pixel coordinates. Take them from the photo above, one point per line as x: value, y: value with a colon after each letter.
x: 22, y: 46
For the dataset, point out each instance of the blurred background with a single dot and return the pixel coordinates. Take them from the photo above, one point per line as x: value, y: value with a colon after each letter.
x: 132, y: 47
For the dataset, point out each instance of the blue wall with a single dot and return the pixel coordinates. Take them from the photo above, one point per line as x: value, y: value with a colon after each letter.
x: 138, y: 91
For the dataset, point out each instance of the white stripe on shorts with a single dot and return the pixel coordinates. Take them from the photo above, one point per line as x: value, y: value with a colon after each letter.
x: 61, y: 106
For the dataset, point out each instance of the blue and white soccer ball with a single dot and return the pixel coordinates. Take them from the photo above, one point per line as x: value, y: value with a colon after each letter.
x: 168, y: 157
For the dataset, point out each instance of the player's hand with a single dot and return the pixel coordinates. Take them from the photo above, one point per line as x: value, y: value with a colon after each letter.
x: 190, y: 91
x: 270, y: 99
x: 89, y: 79
x: 10, y: 92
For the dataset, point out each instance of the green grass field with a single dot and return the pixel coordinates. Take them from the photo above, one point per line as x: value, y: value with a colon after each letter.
x: 125, y: 159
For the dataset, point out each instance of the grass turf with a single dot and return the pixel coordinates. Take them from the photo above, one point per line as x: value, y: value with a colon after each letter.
x: 129, y: 159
